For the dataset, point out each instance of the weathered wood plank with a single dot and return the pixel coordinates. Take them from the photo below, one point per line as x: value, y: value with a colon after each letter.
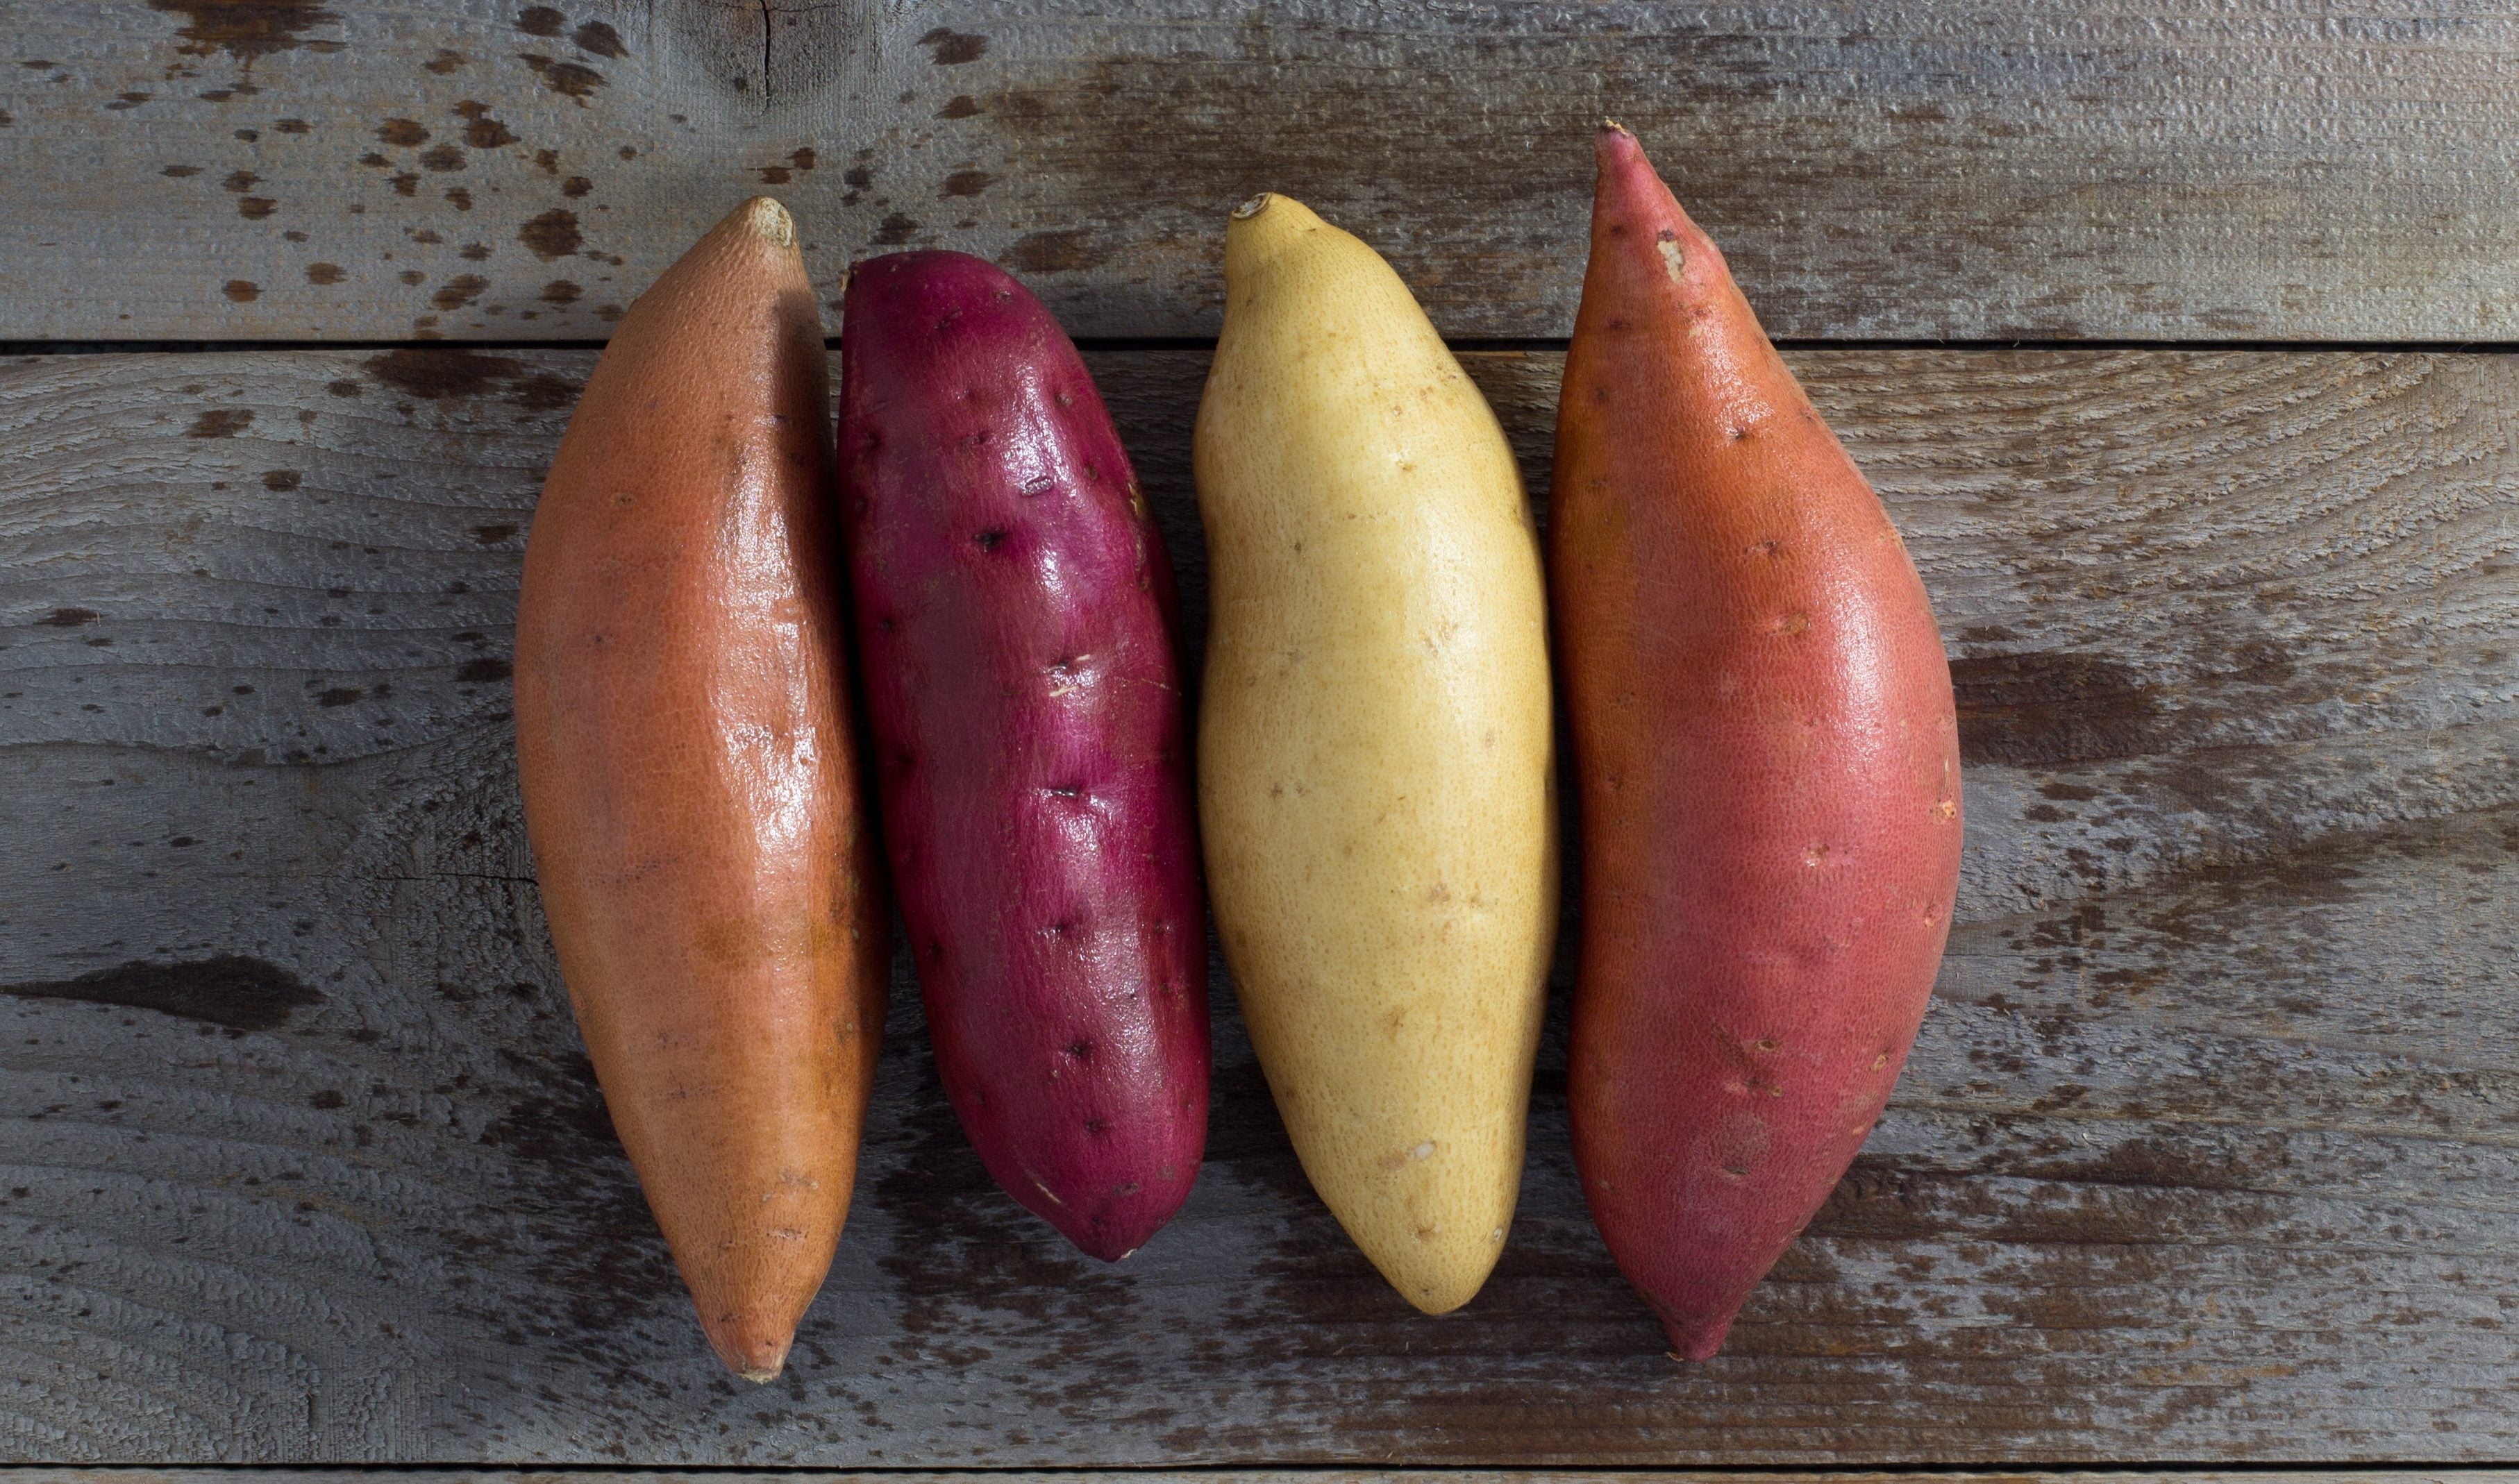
x: 58, y: 1476
x: 2210, y: 1150
x: 2054, y: 168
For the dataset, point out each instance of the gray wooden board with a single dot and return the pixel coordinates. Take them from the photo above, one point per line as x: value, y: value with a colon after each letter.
x: 142, y: 1475
x: 2209, y: 1151
x: 497, y: 168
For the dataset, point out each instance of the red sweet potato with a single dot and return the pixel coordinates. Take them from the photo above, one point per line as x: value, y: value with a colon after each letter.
x: 1767, y: 763
x: 690, y: 779
x: 1017, y: 632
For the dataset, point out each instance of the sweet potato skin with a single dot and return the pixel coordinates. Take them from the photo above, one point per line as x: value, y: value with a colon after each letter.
x: 1376, y: 760
x: 1767, y: 764
x: 706, y: 859
x: 1016, y: 619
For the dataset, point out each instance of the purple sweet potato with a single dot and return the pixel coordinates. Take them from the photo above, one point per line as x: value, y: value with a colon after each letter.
x: 1017, y: 632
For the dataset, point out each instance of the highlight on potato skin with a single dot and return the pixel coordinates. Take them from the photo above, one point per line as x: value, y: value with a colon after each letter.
x: 1767, y: 764
x: 1374, y: 767
x: 691, y: 781
x: 1019, y: 637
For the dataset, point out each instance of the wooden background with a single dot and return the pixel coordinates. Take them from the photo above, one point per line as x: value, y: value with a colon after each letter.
x: 2209, y: 1153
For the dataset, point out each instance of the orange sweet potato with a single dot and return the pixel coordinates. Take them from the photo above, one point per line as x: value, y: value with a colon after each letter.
x: 691, y: 779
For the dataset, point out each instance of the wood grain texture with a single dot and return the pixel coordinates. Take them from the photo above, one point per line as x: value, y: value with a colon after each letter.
x: 506, y: 170
x: 2209, y: 1150
x: 67, y: 1476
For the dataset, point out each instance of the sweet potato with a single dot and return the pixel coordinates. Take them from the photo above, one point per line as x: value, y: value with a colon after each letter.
x: 1375, y: 765
x: 689, y: 776
x: 1016, y: 623
x: 1767, y: 762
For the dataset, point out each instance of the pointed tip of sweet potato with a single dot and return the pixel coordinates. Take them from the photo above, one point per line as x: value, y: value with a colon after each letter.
x: 766, y: 216
x: 753, y: 1346
x: 1696, y: 1337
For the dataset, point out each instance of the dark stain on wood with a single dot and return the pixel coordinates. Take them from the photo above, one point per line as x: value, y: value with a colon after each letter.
x: 552, y: 234
x: 67, y: 618
x: 575, y: 187
x: 402, y: 133
x: 255, y: 208
x: 445, y: 62
x: 967, y: 183
x: 894, y: 231
x: 220, y: 423
x: 540, y: 20
x: 459, y: 198
x: 483, y: 672
x: 452, y: 374
x: 561, y: 291
x: 566, y: 78
x: 598, y: 39
x: 280, y: 481
x: 340, y: 695
x: 239, y: 993
x: 480, y: 130
x: 1067, y: 251
x: 543, y: 391
x: 440, y: 376
x: 960, y: 106
x: 598, y: 1244
x: 245, y: 29
x: 492, y: 534
x: 2042, y: 709
x: 441, y: 159
x: 952, y: 47
x: 180, y: 172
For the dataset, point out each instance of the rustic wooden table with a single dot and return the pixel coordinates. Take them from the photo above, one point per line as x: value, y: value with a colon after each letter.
x: 2171, y: 331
